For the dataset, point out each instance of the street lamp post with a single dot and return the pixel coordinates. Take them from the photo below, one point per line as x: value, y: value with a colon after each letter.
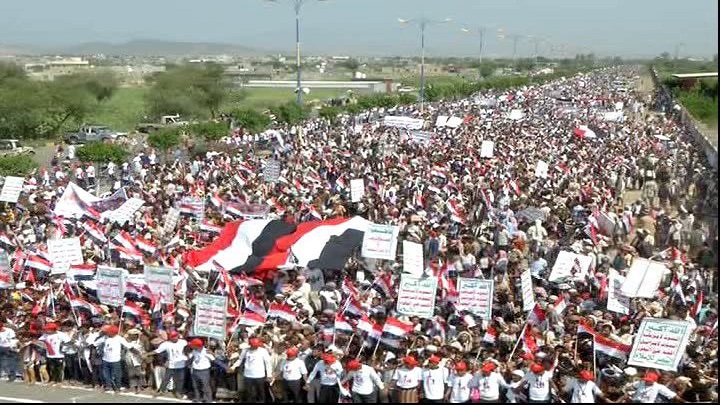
x: 422, y: 23
x: 297, y: 5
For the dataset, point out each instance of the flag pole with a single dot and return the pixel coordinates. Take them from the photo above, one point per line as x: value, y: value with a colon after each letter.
x: 377, y: 344
x: 350, y: 342
x: 594, y: 356
x: 522, y: 333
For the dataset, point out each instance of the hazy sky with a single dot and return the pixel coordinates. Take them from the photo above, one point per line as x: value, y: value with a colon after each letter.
x: 608, y: 27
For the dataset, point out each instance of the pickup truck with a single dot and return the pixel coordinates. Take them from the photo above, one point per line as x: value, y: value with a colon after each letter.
x: 92, y: 133
x: 12, y: 147
x: 165, y: 121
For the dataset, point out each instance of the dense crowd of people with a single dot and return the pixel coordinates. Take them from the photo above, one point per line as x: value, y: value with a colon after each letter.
x: 491, y: 217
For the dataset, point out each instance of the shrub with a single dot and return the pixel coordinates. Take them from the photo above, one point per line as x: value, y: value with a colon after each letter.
x: 19, y: 166
x: 101, y: 152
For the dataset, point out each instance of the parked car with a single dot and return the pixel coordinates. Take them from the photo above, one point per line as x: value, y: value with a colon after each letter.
x: 12, y: 147
x: 93, y: 133
x: 165, y: 121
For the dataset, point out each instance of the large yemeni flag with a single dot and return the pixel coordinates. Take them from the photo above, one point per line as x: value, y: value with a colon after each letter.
x: 397, y: 327
x: 604, y: 344
x: 260, y: 246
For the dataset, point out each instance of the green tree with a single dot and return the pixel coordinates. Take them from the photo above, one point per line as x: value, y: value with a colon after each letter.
x: 289, y: 113
x: 16, y: 165
x: 350, y: 64
x: 210, y: 131
x: 251, y: 120
x: 21, y: 108
x: 486, y: 70
x: 102, y: 152
x: 165, y: 139
x: 191, y: 90
x: 10, y: 71
x: 329, y: 112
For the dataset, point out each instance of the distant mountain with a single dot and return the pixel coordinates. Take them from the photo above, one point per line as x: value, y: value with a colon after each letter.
x: 145, y: 47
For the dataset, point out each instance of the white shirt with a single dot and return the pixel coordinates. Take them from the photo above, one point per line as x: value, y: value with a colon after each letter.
x: 329, y: 375
x: 584, y: 392
x: 176, y: 357
x: 434, y: 381
x: 648, y: 393
x: 90, y: 172
x: 293, y: 370
x: 112, y: 348
x: 7, y: 338
x: 257, y: 363
x: 365, y: 380
x: 489, y: 385
x: 53, y: 343
x: 201, y: 359
x: 459, y: 387
x: 405, y: 378
x: 539, y: 385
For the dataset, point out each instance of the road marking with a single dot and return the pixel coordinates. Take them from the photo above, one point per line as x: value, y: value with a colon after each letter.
x: 25, y: 400
x: 146, y: 396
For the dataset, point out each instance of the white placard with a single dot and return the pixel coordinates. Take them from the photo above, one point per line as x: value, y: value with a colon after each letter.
x: 487, y: 149
x: 210, y: 316
x: 660, y: 343
x: 605, y: 224
x: 413, y: 261
x: 63, y: 253
x: 380, y: 242
x: 160, y: 281
x: 110, y: 285
x: 441, y: 120
x: 357, y: 190
x: 617, y: 302
x: 527, y: 291
x: 11, y: 189
x: 613, y: 116
x: 541, y: 169
x: 126, y: 211
x: 423, y: 137
x: 403, y: 122
x: 171, y: 220
x: 454, y: 122
x: 643, y: 278
x: 516, y: 115
x: 416, y: 296
x: 475, y: 296
x: 565, y: 267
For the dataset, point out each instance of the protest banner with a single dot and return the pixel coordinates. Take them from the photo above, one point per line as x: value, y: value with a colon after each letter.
x: 413, y: 261
x: 357, y: 190
x: 528, y: 294
x: 541, y: 169
x: 487, y: 149
x: 475, y: 296
x: 441, y: 120
x: 11, y: 189
x: 453, y: 122
x: 516, y: 115
x: 160, y: 282
x: 605, y: 224
x: 210, y: 313
x: 416, y: 296
x: 570, y: 266
x: 380, y: 242
x: 403, y: 122
x: 643, y: 278
x: 110, y: 285
x: 63, y: 253
x: 6, y: 274
x: 192, y: 206
x: 126, y: 211
x: 171, y: 220
x: 271, y: 171
x: 617, y: 302
x: 660, y: 343
x: 423, y: 137
x: 314, y: 277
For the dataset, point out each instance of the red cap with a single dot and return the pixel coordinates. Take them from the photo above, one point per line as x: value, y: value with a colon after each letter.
x: 651, y: 377
x: 173, y: 334
x: 586, y: 375
x: 51, y: 327
x: 527, y: 356
x: 112, y: 330
x: 488, y: 367
x: 255, y: 343
x: 328, y: 358
x: 434, y: 359
x: 195, y: 344
x: 585, y: 296
x: 292, y: 352
x: 460, y: 366
x: 354, y: 365
x: 537, y: 368
x: 410, y: 361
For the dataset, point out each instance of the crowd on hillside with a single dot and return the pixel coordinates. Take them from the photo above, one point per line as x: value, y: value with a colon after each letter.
x: 491, y: 217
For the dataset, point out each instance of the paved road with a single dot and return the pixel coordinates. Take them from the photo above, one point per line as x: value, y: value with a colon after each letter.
x: 18, y: 392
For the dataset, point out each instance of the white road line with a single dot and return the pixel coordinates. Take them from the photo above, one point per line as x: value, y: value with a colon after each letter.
x: 21, y: 400
x: 146, y: 396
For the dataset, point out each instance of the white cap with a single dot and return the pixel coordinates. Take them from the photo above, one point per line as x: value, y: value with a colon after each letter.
x: 518, y: 373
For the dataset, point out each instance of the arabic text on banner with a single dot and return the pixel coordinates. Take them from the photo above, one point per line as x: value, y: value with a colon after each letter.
x: 11, y: 189
x: 617, y: 302
x: 171, y: 220
x: 475, y: 296
x: 413, y: 260
x: 126, y: 211
x: 565, y: 267
x: 63, y: 253
x: 527, y: 291
x: 210, y: 314
x: 6, y: 274
x: 403, y: 122
x: 110, y: 285
x: 357, y: 190
x: 660, y: 343
x: 160, y: 281
x: 416, y: 296
x: 380, y: 242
